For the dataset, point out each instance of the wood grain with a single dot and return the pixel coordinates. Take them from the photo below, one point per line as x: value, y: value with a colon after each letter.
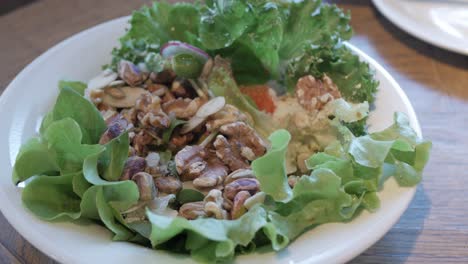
x: 435, y: 227
x: 7, y: 256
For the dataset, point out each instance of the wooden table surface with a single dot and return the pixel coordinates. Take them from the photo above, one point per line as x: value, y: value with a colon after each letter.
x: 435, y: 227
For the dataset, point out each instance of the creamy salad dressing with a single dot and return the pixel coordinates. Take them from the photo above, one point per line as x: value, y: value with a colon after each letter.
x: 311, y: 131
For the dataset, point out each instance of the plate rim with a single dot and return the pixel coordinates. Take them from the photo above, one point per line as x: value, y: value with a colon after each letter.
x: 369, y: 239
x: 415, y: 29
x: 380, y: 233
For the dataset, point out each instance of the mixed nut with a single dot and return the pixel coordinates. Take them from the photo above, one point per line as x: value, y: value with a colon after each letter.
x: 181, y: 138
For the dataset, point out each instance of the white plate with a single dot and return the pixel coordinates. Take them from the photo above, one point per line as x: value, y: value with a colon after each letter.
x: 443, y: 23
x: 80, y: 57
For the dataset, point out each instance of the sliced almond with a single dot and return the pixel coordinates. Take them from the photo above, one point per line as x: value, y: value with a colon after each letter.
x: 117, y: 83
x: 115, y: 92
x: 102, y: 80
x: 193, y: 123
x: 211, y: 107
x: 131, y: 95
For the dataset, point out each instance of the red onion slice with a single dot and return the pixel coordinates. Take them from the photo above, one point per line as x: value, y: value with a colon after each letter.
x: 176, y: 47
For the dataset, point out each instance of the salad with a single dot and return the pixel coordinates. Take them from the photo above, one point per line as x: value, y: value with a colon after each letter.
x: 218, y: 128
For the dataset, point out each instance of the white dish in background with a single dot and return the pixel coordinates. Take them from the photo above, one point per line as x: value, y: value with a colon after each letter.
x: 80, y: 57
x: 443, y: 23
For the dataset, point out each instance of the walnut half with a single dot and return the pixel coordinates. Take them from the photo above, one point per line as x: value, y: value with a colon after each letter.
x: 314, y: 94
x: 238, y: 145
x: 201, y: 166
x: 190, y: 162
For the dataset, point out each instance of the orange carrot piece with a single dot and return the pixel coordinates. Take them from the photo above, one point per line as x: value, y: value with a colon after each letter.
x: 261, y: 95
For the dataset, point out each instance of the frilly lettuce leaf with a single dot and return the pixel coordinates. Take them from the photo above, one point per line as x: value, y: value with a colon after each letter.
x: 318, y: 198
x: 128, y: 193
x: 106, y: 214
x: 78, y: 87
x: 103, y: 200
x: 80, y: 184
x: 263, y: 39
x: 354, y: 78
x: 85, y: 195
x: 210, y: 240
x: 69, y: 153
x: 367, y: 160
x: 76, y: 189
x: 56, y: 152
x: 71, y: 104
x: 52, y: 198
x: 253, y: 29
x: 270, y: 169
x: 222, y: 22
x: 152, y: 27
x: 401, y: 132
x: 409, y: 153
x: 114, y: 157
x: 368, y: 152
x: 354, y: 181
x: 273, y: 32
x: 97, y: 203
x: 88, y: 203
x: 313, y: 23
x: 163, y: 22
x: 46, y: 121
x: 246, y: 67
x: 34, y: 158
